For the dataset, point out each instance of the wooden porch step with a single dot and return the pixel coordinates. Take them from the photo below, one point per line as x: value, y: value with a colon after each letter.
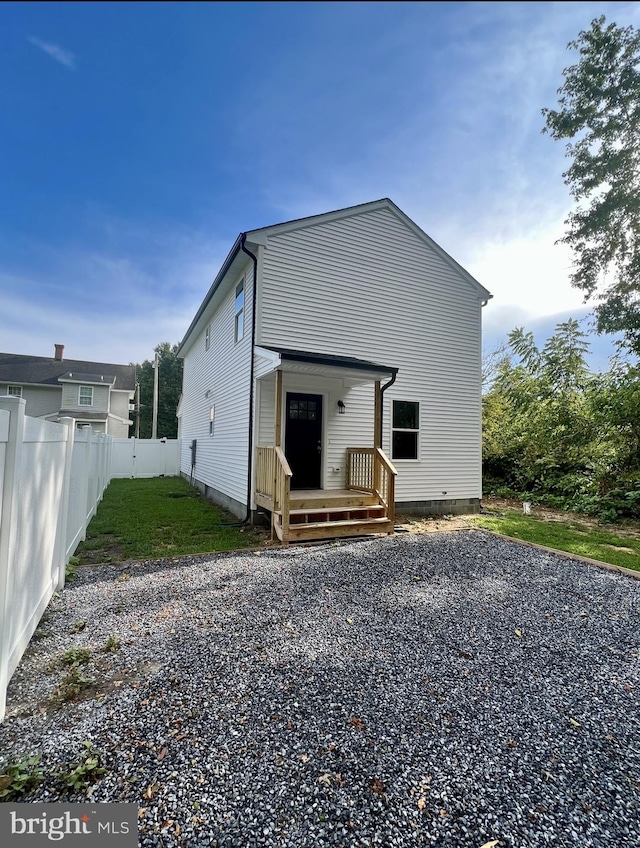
x: 328, y: 501
x: 339, y: 513
x: 336, y: 529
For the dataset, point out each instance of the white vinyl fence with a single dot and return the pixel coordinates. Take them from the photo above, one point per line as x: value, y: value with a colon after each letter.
x: 52, y: 477
x: 145, y: 458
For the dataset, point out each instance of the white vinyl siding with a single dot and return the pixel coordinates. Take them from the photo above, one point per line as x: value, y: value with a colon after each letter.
x: 368, y: 286
x: 221, y: 379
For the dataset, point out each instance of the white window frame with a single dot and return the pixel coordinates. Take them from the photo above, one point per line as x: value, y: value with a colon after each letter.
x: 415, y: 430
x: 80, y: 390
x: 207, y: 337
x: 212, y: 418
x: 238, y: 320
x: 14, y: 391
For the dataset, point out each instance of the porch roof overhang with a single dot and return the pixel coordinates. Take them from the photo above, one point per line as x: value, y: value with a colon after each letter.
x: 347, y: 368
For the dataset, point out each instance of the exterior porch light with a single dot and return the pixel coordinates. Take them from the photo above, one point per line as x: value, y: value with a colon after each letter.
x: 341, y: 407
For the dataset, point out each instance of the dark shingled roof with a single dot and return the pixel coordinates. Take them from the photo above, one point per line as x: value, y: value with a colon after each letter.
x: 15, y: 368
x: 330, y: 359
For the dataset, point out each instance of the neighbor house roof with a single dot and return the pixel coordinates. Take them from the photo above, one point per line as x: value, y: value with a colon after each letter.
x: 44, y: 371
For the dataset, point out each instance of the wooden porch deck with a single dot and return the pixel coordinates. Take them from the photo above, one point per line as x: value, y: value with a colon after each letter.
x: 364, y: 507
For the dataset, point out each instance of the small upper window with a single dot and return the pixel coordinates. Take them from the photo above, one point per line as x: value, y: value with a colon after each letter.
x: 207, y: 337
x: 15, y: 391
x: 239, y: 311
x: 406, y: 425
x: 85, y: 396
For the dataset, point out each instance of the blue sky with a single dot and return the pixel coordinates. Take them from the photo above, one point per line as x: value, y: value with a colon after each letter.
x: 138, y: 139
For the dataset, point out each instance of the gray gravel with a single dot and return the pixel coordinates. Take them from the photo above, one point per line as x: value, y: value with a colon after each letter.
x: 442, y: 689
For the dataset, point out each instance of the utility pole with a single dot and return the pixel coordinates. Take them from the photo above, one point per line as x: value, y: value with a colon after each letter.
x: 154, y: 426
x: 137, y: 405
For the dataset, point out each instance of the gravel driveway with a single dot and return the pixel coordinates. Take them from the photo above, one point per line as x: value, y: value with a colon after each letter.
x: 446, y: 689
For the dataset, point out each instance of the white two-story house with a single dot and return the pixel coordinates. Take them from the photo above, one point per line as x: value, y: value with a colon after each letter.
x: 332, y: 375
x: 98, y: 394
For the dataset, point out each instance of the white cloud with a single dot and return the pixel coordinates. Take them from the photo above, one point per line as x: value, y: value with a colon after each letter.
x: 107, y: 306
x: 64, y: 57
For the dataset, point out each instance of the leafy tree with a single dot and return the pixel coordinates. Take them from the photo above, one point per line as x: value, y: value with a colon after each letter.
x: 536, y: 429
x: 169, y: 389
x: 558, y: 434
x: 599, y: 113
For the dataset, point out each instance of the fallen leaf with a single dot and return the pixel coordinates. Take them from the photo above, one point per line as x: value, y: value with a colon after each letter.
x: 422, y: 802
x: 377, y: 786
x: 518, y: 634
x: 163, y: 754
x: 304, y: 757
x: 575, y: 723
x: 256, y: 553
x: 151, y: 790
x: 444, y: 813
x: 325, y: 779
x: 491, y: 844
x: 356, y: 721
x: 512, y: 743
x: 349, y: 621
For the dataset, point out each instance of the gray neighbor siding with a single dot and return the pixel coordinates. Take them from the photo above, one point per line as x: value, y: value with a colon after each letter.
x: 41, y: 400
x: 70, y: 393
x: 369, y: 286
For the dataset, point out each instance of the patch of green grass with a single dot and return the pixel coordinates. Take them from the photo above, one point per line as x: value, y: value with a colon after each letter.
x: 155, y: 518
x: 583, y: 540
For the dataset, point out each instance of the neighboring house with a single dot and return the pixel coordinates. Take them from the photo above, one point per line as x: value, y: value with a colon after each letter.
x: 95, y: 393
x: 346, y: 380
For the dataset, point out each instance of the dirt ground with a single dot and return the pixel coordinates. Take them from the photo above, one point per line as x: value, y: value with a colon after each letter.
x: 412, y: 524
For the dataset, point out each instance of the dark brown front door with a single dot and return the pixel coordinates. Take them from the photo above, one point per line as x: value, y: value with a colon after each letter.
x: 303, y: 439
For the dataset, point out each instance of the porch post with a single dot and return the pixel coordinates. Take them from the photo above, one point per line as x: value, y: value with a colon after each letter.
x: 277, y: 442
x: 377, y: 435
x: 377, y: 418
x: 278, y: 421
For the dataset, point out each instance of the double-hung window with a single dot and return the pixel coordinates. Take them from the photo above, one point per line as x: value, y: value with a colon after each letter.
x: 85, y: 396
x: 239, y: 311
x: 14, y: 391
x: 405, y: 429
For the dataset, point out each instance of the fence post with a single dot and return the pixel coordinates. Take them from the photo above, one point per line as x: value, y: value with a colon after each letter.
x: 84, y: 478
x: 8, y: 514
x: 60, y: 559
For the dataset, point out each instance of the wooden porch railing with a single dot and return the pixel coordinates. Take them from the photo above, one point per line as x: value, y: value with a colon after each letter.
x: 282, y: 489
x: 273, y: 486
x: 370, y: 470
x: 265, y: 475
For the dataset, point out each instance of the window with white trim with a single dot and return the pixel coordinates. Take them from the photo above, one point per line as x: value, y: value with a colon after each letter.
x: 207, y: 337
x: 239, y: 311
x: 85, y: 396
x: 405, y: 429
x: 212, y: 418
x: 14, y: 391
